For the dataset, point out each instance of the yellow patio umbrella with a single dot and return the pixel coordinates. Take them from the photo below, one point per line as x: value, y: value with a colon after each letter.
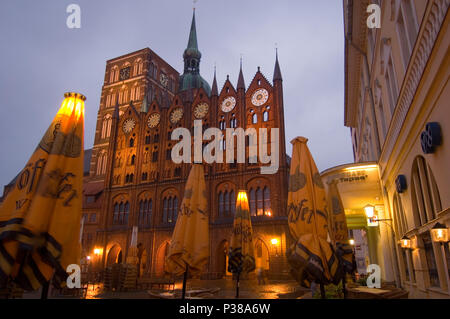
x: 241, y: 258
x: 40, y: 216
x: 339, y: 227
x: 189, y: 247
x: 312, y: 257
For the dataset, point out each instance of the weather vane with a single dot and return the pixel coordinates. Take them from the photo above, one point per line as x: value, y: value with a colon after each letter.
x: 194, y: 3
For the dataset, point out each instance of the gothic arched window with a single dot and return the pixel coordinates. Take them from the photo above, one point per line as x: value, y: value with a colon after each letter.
x: 425, y: 196
x: 267, y: 204
x: 252, y: 202
x: 259, y: 202
x: 254, y: 118
x: 221, y: 204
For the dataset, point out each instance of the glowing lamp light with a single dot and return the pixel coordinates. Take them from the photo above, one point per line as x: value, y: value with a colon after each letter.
x: 439, y: 233
x: 97, y: 251
x: 73, y: 105
x: 274, y: 241
x: 351, y: 241
x: 369, y: 210
x: 242, y: 196
x: 405, y: 242
x: 88, y: 257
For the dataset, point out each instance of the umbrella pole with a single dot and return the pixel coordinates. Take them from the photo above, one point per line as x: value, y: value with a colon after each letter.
x: 322, y: 291
x: 237, y: 285
x: 343, y: 287
x: 183, y: 292
x: 44, y: 293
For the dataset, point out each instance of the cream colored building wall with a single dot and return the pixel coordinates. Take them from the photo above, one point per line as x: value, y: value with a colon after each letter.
x: 423, y: 96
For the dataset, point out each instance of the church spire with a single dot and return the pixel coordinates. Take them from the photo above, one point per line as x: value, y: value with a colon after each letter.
x: 192, y: 44
x: 214, y: 90
x: 241, y: 83
x: 192, y: 55
x: 191, y: 79
x: 277, y: 71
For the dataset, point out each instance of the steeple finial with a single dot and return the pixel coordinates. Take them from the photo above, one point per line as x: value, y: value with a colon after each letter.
x: 241, y: 83
x: 277, y: 72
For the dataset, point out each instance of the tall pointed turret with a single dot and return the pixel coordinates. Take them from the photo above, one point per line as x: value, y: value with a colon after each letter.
x: 241, y: 83
x: 191, y: 78
x: 277, y: 71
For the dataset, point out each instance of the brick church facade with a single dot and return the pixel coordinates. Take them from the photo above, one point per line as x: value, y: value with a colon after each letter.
x: 132, y: 180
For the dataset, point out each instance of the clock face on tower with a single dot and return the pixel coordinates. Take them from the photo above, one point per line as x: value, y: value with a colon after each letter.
x: 124, y: 74
x: 153, y: 120
x: 176, y: 115
x: 128, y: 125
x: 201, y: 110
x: 260, y: 97
x: 228, y: 104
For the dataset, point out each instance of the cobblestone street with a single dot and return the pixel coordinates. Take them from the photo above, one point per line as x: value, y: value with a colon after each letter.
x: 249, y: 289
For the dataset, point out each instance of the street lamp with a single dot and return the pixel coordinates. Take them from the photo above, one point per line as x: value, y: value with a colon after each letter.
x: 274, y: 242
x: 405, y: 242
x: 369, y: 210
x: 439, y: 233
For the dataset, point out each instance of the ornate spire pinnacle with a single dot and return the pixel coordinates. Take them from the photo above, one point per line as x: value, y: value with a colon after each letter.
x: 241, y: 83
x: 214, y: 90
x: 277, y: 72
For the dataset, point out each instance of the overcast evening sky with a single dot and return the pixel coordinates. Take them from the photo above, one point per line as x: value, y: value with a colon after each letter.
x: 41, y: 59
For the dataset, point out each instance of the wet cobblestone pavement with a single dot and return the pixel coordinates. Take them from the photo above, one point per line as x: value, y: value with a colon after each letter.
x: 249, y: 289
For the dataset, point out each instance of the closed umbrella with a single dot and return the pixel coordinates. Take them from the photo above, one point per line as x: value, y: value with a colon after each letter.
x: 339, y: 230
x: 312, y: 257
x: 40, y: 217
x: 241, y: 258
x: 132, y: 257
x: 189, y: 247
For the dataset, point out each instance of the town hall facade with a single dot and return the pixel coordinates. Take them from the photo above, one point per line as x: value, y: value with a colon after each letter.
x: 133, y: 181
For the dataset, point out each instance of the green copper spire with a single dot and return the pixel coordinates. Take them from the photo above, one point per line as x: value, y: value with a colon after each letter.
x: 191, y: 78
x: 192, y: 44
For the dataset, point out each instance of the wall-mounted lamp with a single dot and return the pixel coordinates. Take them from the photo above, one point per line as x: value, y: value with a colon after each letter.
x: 369, y: 210
x: 439, y: 233
x: 405, y: 242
